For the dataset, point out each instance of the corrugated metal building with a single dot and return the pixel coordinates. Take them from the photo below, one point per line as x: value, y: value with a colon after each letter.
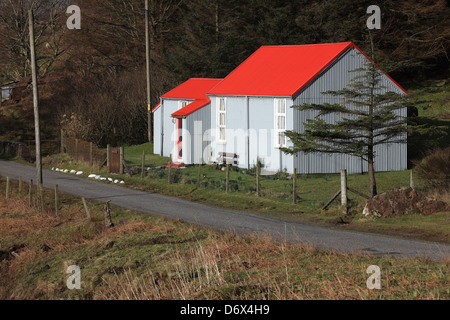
x: 181, y: 120
x: 246, y: 114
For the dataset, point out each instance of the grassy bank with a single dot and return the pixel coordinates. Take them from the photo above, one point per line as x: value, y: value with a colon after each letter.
x: 146, y: 257
x: 276, y: 196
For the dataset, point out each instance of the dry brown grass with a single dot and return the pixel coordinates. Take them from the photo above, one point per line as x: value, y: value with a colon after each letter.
x: 232, y: 267
x: 187, y: 262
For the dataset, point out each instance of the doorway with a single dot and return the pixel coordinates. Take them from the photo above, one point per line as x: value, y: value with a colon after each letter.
x: 180, y: 139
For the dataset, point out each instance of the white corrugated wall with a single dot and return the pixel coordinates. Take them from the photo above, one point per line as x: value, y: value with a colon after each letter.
x: 389, y: 157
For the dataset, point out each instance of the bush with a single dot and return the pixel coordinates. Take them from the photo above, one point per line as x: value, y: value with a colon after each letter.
x: 434, y: 169
x: 176, y: 175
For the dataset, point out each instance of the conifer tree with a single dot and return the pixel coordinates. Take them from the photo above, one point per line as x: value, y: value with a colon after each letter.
x: 370, y: 116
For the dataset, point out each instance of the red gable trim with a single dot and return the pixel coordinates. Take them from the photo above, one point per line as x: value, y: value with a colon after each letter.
x: 154, y: 109
x: 191, y: 108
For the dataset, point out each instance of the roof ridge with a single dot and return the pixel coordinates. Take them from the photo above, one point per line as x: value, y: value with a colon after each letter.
x: 305, y: 45
x: 350, y: 45
x: 345, y: 46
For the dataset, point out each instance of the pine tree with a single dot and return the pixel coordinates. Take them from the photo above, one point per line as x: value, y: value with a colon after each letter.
x: 370, y: 116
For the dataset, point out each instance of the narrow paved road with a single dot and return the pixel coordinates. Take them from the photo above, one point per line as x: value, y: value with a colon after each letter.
x: 227, y: 220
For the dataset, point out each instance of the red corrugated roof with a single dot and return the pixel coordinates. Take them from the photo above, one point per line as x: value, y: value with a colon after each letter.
x: 270, y: 71
x: 280, y: 70
x: 193, y: 89
x: 191, y: 108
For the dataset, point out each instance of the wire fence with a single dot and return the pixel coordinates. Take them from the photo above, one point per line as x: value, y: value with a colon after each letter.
x: 14, y: 149
x: 83, y: 151
x: 310, y: 190
x: 48, y: 147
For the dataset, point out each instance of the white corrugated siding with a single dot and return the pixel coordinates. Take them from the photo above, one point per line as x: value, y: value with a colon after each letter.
x: 389, y: 157
x: 196, y: 142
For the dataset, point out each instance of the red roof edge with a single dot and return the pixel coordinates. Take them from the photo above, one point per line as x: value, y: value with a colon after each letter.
x: 395, y: 82
x: 191, y: 108
x: 350, y: 45
x: 353, y: 46
x: 154, y: 109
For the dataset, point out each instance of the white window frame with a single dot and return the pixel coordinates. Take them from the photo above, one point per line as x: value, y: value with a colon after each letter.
x: 222, y: 126
x: 182, y: 104
x: 280, y: 129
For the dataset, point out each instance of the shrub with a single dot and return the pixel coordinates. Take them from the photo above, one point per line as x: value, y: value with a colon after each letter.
x: 176, y: 176
x: 434, y: 169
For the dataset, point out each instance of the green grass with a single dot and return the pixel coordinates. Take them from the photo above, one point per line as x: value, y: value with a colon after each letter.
x: 148, y: 257
x: 276, y: 197
x: 133, y: 156
x: 432, y: 98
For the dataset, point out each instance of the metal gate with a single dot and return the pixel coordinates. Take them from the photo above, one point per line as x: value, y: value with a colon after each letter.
x: 114, y: 160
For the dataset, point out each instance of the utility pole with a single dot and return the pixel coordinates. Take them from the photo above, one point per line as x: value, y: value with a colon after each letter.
x: 35, y: 99
x: 147, y: 46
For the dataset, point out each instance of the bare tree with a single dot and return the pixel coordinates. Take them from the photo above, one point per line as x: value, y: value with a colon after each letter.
x: 50, y: 29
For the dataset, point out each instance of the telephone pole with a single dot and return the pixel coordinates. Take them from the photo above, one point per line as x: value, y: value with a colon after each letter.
x: 147, y: 46
x: 35, y: 99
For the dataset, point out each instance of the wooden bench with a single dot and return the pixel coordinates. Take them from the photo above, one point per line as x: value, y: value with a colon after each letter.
x: 228, y: 158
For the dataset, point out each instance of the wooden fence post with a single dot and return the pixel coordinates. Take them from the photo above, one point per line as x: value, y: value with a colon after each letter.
x: 76, y: 150
x: 7, y: 187
x: 56, y: 199
x: 294, y: 187
x: 344, y: 188
x: 91, y: 154
x: 41, y: 196
x: 108, y: 220
x: 20, y: 185
x: 199, y: 174
x: 258, y: 170
x: 88, y: 214
x: 122, y: 160
x: 30, y: 193
x: 62, y: 141
x: 227, y: 182
x: 143, y: 164
x: 108, y: 147
x: 169, y: 175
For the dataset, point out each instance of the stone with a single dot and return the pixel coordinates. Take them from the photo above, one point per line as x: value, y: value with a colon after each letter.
x: 402, y: 201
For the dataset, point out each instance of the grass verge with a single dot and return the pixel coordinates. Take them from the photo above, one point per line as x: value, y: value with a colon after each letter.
x: 276, y: 197
x: 147, y: 257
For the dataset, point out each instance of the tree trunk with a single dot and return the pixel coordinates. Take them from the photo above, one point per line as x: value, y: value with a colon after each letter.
x: 372, y: 182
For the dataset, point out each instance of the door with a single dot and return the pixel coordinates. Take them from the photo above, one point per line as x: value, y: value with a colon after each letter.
x: 180, y: 139
x: 114, y: 160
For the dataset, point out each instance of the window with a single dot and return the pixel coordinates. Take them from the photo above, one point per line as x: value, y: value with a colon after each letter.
x: 280, y: 122
x: 182, y: 104
x: 222, y: 119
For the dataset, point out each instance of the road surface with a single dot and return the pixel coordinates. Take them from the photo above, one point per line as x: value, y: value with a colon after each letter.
x: 228, y: 220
